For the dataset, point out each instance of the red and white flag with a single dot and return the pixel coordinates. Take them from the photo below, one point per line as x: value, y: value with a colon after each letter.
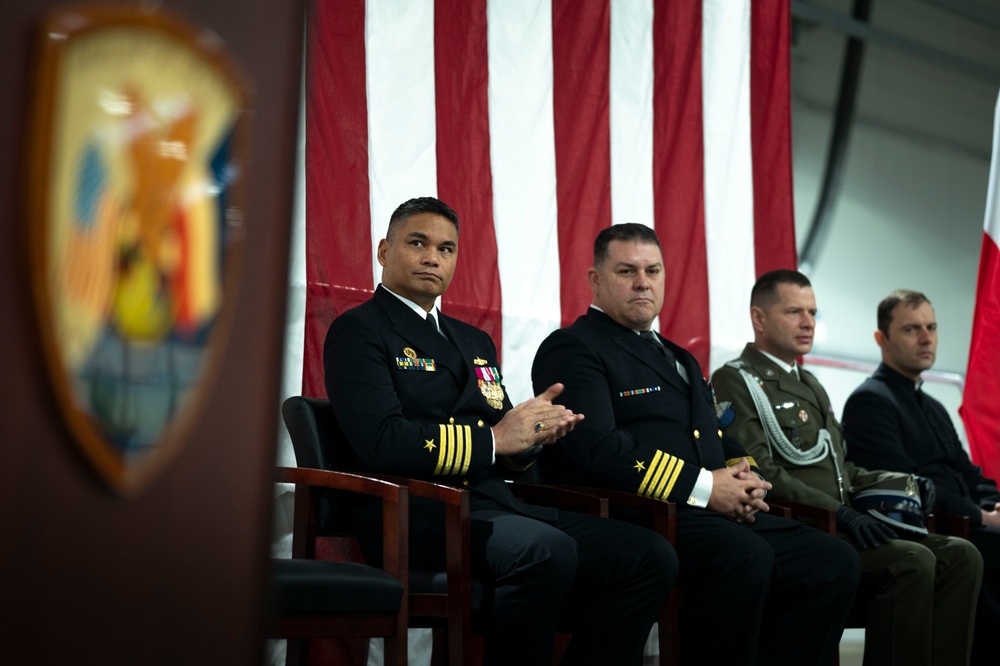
x: 541, y: 122
x: 980, y: 412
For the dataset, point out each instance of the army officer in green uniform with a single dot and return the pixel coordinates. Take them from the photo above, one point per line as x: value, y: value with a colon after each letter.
x: 920, y: 590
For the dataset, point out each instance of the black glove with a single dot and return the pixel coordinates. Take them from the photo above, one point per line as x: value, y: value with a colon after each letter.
x: 865, y: 530
x: 928, y: 494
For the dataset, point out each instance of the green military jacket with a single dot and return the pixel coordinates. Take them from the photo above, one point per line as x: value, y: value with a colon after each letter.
x: 801, y: 408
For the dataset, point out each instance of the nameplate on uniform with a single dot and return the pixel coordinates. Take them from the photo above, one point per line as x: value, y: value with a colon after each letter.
x: 421, y: 364
x: 640, y: 391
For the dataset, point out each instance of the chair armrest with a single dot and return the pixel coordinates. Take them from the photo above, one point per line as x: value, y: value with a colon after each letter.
x: 818, y: 517
x: 457, y: 545
x: 561, y: 498
x: 952, y: 524
x: 355, y: 483
x: 449, y: 495
x: 663, y: 513
x: 395, y: 512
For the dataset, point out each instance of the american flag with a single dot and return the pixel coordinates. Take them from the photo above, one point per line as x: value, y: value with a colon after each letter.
x: 541, y: 122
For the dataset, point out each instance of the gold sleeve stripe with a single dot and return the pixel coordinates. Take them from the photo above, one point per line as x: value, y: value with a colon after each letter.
x: 467, y: 458
x: 448, y: 451
x: 658, y: 481
x: 454, y: 450
x: 442, y: 439
x: 647, y: 476
x: 463, y: 449
x: 734, y: 461
x: 667, y: 478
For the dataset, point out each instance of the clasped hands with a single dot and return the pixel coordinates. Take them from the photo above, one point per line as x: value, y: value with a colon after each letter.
x: 738, y: 492
x: 991, y: 518
x: 534, y: 422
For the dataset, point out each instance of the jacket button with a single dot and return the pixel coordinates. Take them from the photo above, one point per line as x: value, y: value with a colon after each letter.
x: 697, y: 434
x: 720, y: 434
x: 451, y: 420
x: 480, y: 423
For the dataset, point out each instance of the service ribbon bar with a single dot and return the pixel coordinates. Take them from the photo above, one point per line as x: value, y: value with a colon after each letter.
x: 422, y: 364
x: 626, y: 394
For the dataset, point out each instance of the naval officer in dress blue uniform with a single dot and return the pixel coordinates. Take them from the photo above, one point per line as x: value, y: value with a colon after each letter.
x: 420, y: 394
x: 755, y: 588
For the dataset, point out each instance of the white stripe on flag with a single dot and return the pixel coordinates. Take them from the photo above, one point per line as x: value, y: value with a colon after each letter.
x: 522, y: 155
x: 632, y: 111
x: 402, y: 162
x: 728, y: 174
x: 991, y: 220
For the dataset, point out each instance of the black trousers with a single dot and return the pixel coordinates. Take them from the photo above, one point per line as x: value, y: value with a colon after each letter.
x: 770, y: 592
x: 612, y: 578
x: 987, y: 541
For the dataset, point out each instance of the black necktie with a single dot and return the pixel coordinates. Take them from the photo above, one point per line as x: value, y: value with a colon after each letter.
x: 655, y: 340
x: 433, y: 322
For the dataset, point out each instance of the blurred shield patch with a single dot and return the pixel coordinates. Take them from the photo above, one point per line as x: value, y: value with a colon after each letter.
x: 135, y: 234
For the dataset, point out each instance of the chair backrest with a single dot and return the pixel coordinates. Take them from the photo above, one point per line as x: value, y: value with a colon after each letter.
x: 319, y: 444
x: 316, y: 437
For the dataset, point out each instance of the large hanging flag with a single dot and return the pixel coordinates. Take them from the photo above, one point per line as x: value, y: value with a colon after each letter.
x: 541, y: 122
x: 982, y: 380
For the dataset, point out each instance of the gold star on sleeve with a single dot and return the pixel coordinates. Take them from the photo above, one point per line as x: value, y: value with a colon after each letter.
x: 639, y: 466
x: 430, y: 445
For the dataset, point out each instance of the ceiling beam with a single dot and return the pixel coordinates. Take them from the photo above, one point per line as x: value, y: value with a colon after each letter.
x: 860, y: 30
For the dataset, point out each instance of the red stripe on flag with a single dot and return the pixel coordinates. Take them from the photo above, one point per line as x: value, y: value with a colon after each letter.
x: 581, y: 62
x: 338, y: 212
x: 771, y: 137
x: 465, y: 180
x: 678, y: 174
x: 982, y: 382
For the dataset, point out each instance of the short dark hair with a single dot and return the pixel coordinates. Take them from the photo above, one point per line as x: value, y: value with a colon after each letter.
x: 625, y: 233
x: 412, y: 207
x: 765, y: 290
x: 889, y: 303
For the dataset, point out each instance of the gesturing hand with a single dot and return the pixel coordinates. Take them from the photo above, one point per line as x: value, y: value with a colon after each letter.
x: 534, y: 421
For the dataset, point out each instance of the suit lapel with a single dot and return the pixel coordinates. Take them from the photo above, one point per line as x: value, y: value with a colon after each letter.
x: 642, y: 350
x: 464, y: 354
x: 420, y: 336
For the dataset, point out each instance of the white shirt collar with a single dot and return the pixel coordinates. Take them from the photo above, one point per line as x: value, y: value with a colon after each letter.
x: 416, y: 308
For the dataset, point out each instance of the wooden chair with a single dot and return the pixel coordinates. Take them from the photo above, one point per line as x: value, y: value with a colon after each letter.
x: 444, y: 601
x: 312, y: 598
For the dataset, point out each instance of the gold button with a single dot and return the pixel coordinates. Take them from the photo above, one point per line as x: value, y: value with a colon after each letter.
x: 465, y: 482
x: 480, y: 423
x: 451, y: 420
x: 697, y: 434
x: 720, y: 434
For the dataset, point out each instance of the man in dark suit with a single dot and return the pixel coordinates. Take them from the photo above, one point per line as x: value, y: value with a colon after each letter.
x: 891, y: 423
x: 420, y: 394
x: 756, y: 589
x: 919, y: 593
